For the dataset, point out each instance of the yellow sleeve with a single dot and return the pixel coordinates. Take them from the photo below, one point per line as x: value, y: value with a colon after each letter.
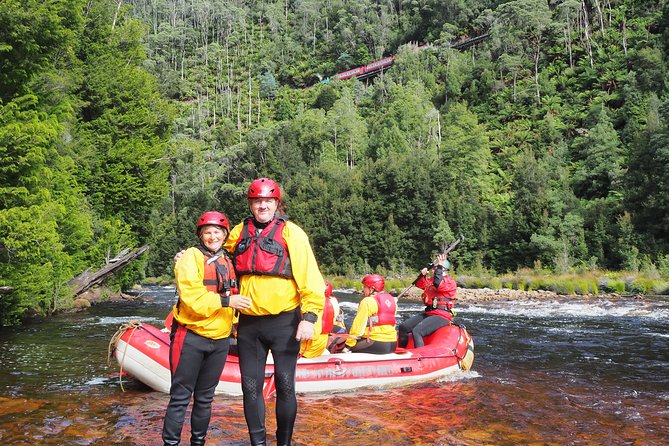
x: 193, y: 295
x: 233, y: 237
x: 307, y: 275
x: 366, y: 307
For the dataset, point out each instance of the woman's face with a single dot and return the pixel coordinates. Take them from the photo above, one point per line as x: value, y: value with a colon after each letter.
x: 213, y: 237
x: 263, y: 209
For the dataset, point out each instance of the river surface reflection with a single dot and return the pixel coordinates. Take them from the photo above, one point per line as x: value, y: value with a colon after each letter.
x: 568, y: 372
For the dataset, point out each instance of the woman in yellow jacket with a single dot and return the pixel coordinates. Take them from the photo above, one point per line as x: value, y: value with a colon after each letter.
x: 201, y: 327
x: 373, y: 329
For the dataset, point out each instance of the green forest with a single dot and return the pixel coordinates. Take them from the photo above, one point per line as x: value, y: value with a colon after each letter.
x: 545, y: 144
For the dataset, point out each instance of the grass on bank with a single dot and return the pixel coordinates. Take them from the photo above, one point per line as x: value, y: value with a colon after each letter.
x: 649, y: 281
x: 592, y: 282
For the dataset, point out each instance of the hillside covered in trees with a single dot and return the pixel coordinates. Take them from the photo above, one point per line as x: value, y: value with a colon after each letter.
x: 546, y: 143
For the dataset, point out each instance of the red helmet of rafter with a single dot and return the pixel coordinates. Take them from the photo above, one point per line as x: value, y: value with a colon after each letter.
x: 374, y: 281
x: 264, y: 188
x: 212, y: 218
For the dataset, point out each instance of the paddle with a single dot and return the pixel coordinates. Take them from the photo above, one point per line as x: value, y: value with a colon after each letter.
x: 450, y: 248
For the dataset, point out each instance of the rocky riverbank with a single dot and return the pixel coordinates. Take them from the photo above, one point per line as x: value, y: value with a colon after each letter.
x: 479, y: 295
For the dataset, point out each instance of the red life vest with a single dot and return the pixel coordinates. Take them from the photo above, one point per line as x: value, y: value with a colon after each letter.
x: 265, y: 253
x: 328, y: 316
x: 219, y: 273
x: 387, y: 309
x: 442, y: 296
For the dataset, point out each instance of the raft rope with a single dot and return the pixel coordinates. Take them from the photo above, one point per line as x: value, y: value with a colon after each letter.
x: 462, y: 329
x: 132, y: 325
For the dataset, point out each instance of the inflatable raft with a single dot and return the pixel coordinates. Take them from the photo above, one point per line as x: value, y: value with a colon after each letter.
x: 142, y: 352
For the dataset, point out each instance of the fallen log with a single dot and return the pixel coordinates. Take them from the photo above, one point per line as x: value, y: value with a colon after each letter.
x: 88, y: 279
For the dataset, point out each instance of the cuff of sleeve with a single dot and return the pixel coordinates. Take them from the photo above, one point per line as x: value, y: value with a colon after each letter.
x: 225, y: 300
x: 310, y: 317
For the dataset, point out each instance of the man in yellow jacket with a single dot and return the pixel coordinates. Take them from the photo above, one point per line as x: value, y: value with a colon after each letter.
x: 278, y: 271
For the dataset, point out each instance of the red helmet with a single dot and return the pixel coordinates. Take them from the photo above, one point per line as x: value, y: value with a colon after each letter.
x: 212, y: 218
x: 328, y: 289
x: 264, y: 188
x: 374, y: 281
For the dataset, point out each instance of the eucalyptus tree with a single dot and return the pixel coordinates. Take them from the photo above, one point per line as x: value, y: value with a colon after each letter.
x: 527, y: 24
x: 347, y: 129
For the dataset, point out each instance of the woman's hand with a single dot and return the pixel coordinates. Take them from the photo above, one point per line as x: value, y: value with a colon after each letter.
x: 305, y: 331
x: 240, y: 302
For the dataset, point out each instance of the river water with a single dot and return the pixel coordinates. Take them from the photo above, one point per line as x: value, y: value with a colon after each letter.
x: 569, y: 372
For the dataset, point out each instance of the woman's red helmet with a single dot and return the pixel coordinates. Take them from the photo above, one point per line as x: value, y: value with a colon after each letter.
x: 328, y: 289
x: 374, y: 281
x: 264, y: 188
x: 212, y: 218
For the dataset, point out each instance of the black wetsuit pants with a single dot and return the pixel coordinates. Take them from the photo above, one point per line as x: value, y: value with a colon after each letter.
x: 419, y: 326
x: 374, y: 347
x: 256, y: 336
x: 196, y: 363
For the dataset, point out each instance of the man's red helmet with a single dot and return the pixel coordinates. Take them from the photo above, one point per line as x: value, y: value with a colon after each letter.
x: 328, y: 289
x: 212, y: 218
x: 374, y: 281
x: 264, y: 188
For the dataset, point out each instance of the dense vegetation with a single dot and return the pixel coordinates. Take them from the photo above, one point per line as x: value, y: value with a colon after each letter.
x: 547, y: 144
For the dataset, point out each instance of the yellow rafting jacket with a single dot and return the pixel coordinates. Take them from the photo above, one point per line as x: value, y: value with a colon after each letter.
x: 382, y: 333
x: 317, y: 346
x: 199, y: 309
x: 273, y: 294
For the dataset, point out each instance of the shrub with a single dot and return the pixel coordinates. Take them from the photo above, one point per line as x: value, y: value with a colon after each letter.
x: 564, y: 287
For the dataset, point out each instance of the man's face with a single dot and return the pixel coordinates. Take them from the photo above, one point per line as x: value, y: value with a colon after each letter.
x: 263, y: 209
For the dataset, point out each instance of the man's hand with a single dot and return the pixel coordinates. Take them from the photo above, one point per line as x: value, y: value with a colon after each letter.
x: 240, y: 302
x: 178, y: 255
x: 305, y: 331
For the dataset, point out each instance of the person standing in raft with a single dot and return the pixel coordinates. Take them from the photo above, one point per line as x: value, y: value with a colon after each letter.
x: 438, y: 296
x: 278, y: 271
x: 200, y: 329
x: 374, y: 323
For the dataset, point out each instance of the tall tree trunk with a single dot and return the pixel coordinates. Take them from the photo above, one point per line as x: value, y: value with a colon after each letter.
x: 239, y: 108
x: 601, y: 16
x: 438, y: 135
x: 118, y: 9
x: 623, y: 25
x: 586, y: 32
x: 250, y: 108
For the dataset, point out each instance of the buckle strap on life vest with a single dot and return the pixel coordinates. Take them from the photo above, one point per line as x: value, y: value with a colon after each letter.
x: 223, y: 281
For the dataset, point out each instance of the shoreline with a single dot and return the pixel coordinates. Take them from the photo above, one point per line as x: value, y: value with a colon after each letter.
x: 482, y: 295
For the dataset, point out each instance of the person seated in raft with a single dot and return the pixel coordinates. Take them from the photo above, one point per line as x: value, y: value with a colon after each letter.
x: 320, y: 343
x: 200, y: 328
x: 438, y: 296
x: 335, y: 343
x: 373, y: 329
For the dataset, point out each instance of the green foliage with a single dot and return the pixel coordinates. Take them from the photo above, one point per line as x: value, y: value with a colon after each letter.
x: 545, y: 144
